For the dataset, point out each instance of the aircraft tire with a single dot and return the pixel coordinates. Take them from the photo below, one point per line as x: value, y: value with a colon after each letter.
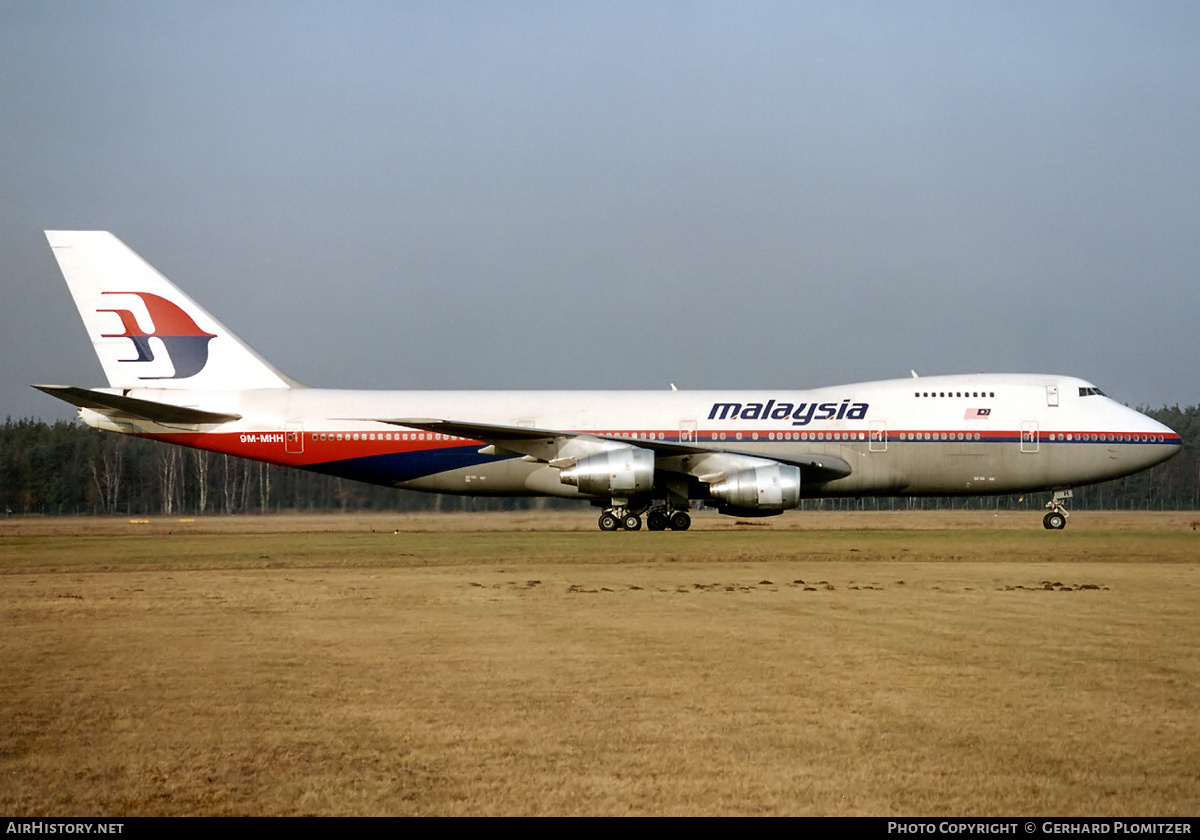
x: 632, y: 522
x: 656, y: 521
x: 680, y: 521
x: 1054, y: 521
x: 609, y: 521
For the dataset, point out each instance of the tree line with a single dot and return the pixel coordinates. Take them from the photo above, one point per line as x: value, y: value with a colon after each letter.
x: 69, y: 468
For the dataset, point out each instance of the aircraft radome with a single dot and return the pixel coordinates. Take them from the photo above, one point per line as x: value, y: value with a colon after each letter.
x: 176, y: 374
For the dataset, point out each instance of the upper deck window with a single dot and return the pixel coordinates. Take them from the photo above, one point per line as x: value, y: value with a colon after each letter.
x: 971, y: 394
x: 1090, y: 392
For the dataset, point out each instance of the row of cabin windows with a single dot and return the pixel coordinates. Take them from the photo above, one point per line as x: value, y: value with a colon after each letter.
x: 754, y: 436
x: 1106, y: 437
x: 635, y: 435
x: 793, y: 436
x: 975, y: 394
x: 382, y: 436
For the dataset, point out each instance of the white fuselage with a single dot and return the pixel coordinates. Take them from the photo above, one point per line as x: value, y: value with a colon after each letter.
x: 976, y: 434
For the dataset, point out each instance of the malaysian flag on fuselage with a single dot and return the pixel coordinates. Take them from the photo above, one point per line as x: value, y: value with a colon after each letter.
x: 977, y: 414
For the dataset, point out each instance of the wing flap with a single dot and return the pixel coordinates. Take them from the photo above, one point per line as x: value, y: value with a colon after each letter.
x: 541, y: 444
x: 477, y: 431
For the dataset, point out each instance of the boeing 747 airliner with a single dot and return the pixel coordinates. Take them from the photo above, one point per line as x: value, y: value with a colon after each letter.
x: 176, y: 374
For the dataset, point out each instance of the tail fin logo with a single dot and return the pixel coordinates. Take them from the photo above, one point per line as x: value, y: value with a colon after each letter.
x: 185, y: 343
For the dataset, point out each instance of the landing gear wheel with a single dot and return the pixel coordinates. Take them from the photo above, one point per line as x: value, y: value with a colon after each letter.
x: 609, y: 521
x: 1056, y: 519
x: 656, y: 520
x: 680, y: 521
x: 632, y: 522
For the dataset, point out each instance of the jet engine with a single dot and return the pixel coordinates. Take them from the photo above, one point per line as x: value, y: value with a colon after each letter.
x: 759, y: 491
x: 627, y: 471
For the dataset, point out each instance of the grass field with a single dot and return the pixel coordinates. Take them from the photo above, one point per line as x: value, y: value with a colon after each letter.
x: 880, y: 664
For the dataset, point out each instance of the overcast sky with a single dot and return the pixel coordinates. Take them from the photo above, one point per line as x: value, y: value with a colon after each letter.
x: 618, y: 195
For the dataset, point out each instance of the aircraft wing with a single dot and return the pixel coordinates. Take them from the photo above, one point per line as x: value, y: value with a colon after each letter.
x: 552, y: 444
x: 121, y: 407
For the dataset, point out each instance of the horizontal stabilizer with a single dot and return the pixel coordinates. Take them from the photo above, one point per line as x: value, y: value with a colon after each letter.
x: 130, y: 407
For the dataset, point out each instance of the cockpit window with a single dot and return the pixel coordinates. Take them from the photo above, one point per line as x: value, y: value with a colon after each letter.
x: 1090, y: 392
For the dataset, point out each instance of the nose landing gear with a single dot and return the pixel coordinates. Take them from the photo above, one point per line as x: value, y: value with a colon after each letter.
x: 1056, y: 519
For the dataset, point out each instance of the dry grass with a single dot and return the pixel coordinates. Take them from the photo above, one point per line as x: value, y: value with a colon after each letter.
x: 872, y: 664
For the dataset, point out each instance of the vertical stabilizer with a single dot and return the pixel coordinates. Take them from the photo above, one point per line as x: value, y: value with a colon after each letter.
x: 147, y: 333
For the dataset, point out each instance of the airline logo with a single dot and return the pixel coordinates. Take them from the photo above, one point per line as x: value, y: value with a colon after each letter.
x: 185, y: 343
x: 801, y: 414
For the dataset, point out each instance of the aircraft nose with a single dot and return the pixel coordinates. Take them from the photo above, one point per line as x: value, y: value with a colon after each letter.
x: 1156, y: 442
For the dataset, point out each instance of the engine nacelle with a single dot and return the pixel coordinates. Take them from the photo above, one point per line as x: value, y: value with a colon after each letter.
x: 627, y: 471
x: 774, y: 488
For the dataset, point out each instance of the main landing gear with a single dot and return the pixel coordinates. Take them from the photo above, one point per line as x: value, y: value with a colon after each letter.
x: 657, y: 519
x: 1056, y: 519
x: 660, y: 519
